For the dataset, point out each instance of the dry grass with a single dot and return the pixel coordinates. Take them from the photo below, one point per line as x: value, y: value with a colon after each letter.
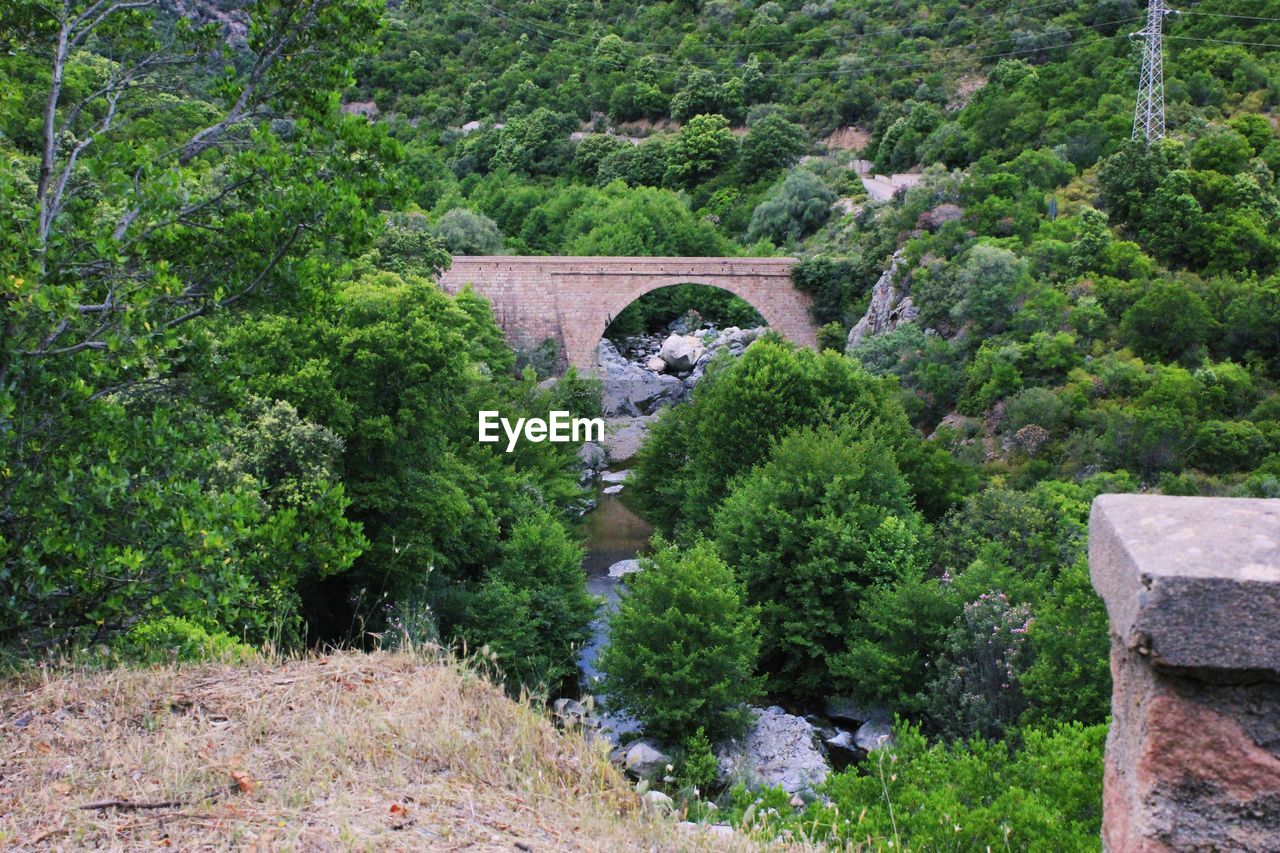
x: 353, y: 751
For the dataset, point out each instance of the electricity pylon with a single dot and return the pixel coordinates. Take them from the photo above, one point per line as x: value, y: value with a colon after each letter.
x: 1148, y: 116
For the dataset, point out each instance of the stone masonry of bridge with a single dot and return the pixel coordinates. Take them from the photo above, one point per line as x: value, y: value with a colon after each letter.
x: 573, y: 299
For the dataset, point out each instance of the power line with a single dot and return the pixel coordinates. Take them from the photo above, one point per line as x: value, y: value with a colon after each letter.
x: 547, y: 29
x: 1225, y: 41
x: 1225, y: 15
x: 828, y: 59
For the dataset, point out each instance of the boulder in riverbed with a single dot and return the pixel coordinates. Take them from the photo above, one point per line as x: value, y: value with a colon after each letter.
x: 629, y: 389
x: 593, y: 458
x: 681, y: 352
x: 779, y: 749
x: 643, y: 759
x: 873, y: 735
x: 624, y: 567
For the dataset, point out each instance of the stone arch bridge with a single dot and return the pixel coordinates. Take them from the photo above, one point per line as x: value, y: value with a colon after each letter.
x: 573, y: 299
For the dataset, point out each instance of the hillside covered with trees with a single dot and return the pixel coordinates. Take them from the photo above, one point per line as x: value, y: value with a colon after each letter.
x: 237, y: 413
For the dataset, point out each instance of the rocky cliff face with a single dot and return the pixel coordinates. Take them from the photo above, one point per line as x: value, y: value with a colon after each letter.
x: 890, y: 306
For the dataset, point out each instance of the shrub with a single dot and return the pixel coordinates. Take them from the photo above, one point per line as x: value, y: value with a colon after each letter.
x: 1146, y: 441
x: 1223, y: 446
x: 772, y: 143
x: 831, y: 337
x: 1070, y: 675
x: 831, y: 283
x: 640, y: 165
x: 826, y: 516
x: 1169, y: 323
x: 532, y: 608
x: 173, y: 638
x: 988, y: 281
x: 975, y: 690
x: 796, y: 208
x: 683, y: 646
x: 1038, y: 406
x: 1044, y: 795
x: 703, y: 147
x: 536, y: 144
x: 1039, y: 531
x: 699, y: 768
x: 1225, y: 151
x: 465, y: 232
x: 592, y: 150
x: 900, y: 623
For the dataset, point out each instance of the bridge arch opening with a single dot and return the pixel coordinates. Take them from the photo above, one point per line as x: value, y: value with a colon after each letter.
x: 653, y: 312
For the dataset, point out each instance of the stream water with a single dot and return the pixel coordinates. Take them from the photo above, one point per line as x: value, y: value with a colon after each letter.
x: 613, y: 533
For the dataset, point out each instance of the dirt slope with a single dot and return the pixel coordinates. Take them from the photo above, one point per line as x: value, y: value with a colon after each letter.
x: 383, y: 751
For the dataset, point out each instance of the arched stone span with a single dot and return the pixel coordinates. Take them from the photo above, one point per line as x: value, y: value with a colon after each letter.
x: 573, y: 299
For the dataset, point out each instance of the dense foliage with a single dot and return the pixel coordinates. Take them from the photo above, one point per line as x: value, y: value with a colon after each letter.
x: 235, y: 409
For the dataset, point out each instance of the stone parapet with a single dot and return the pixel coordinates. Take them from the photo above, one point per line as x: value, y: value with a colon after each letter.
x: 1192, y: 589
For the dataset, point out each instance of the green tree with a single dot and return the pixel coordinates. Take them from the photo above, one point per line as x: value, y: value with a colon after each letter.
x: 1225, y: 151
x: 682, y: 646
x: 536, y: 144
x: 1070, y: 676
x: 393, y: 368
x: 160, y: 195
x: 988, y: 281
x: 592, y: 150
x: 796, y: 208
x: 703, y: 147
x: 642, y: 221
x: 531, y: 607
x: 1255, y: 129
x: 465, y: 232
x: 1170, y: 323
x: 901, y: 622
x: 1174, y: 224
x: 809, y: 530
x: 1043, y: 794
x: 772, y: 143
x: 640, y: 165
x: 740, y: 408
x: 1130, y: 176
x: 700, y: 95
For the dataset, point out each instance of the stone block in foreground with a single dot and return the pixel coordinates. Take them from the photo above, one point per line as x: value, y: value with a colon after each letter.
x: 1192, y: 589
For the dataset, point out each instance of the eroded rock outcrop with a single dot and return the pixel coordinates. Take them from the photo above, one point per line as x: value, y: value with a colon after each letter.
x: 890, y: 306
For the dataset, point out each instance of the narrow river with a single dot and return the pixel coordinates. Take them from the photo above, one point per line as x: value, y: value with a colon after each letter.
x: 613, y: 533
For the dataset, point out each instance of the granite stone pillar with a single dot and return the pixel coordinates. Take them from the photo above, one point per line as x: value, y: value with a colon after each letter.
x: 1192, y: 589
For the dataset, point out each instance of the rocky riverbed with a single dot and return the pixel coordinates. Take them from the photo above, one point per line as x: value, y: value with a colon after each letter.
x: 646, y: 373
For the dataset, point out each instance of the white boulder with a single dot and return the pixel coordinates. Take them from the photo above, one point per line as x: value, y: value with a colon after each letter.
x: 779, y: 749
x: 681, y: 352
